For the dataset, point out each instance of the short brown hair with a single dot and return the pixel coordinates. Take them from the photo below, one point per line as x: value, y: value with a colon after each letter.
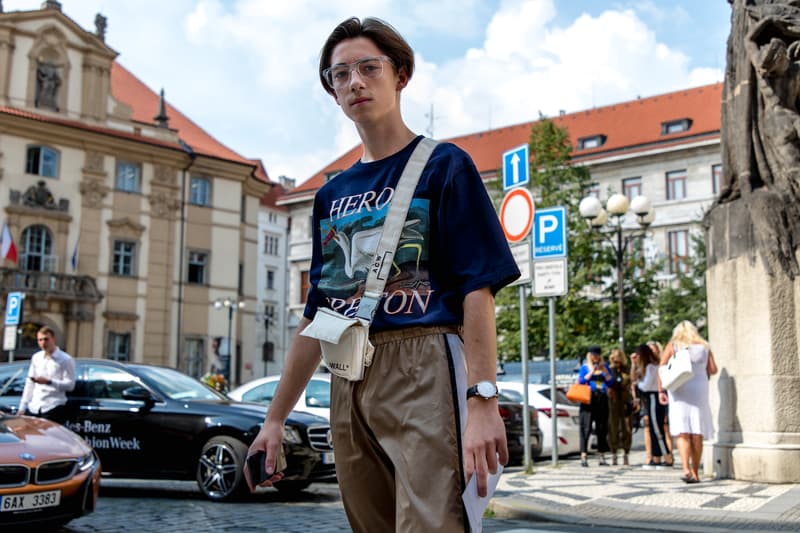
x: 46, y: 330
x: 385, y: 37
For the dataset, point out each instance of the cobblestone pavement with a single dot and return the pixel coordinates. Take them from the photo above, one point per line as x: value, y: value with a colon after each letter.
x: 648, y: 499
x: 134, y: 506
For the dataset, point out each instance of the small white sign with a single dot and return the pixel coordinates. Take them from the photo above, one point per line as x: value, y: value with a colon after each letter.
x: 10, y: 338
x: 522, y: 255
x: 550, y: 278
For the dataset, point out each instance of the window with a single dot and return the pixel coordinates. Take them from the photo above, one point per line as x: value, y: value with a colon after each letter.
x: 716, y: 176
x: 332, y: 174
x: 243, y: 208
x: 634, y: 251
x: 261, y: 394
x: 305, y: 285
x: 42, y: 161
x: 119, y: 346
x: 676, y: 126
x: 271, y: 244
x: 128, y: 176
x: 104, y: 382
x: 273, y: 218
x: 270, y: 279
x: 196, y: 268
x: 195, y: 356
x: 200, y: 191
x: 593, y: 191
x: 124, y: 257
x: 311, y: 227
x: 632, y: 187
x: 678, y: 251
x: 595, y: 141
x: 676, y: 185
x: 37, y: 249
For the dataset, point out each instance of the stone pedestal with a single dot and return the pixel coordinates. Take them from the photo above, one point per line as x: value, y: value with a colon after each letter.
x: 754, y: 331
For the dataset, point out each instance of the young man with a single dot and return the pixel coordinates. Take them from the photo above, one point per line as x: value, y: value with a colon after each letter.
x: 409, y: 436
x: 51, y: 375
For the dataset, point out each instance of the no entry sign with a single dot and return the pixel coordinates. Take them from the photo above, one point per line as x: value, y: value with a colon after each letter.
x: 516, y: 214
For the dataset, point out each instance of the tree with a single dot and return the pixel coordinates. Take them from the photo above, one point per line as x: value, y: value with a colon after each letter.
x: 587, y: 314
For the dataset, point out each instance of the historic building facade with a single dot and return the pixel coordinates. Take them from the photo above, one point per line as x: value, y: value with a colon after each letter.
x: 129, y: 220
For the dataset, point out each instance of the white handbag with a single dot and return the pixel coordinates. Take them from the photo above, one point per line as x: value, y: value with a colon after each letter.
x: 677, y: 371
x: 346, y: 350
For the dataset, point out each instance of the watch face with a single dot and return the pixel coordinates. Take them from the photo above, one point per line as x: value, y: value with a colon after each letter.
x: 486, y: 389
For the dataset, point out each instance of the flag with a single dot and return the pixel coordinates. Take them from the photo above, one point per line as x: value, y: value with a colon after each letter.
x: 7, y: 248
x: 74, y: 260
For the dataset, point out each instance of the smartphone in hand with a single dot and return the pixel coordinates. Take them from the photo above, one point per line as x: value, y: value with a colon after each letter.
x: 258, y: 469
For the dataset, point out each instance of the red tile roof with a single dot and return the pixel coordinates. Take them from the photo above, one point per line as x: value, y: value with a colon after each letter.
x: 128, y: 89
x: 629, y: 127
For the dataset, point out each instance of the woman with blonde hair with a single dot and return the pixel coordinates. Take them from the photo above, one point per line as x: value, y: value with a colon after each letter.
x: 689, y: 410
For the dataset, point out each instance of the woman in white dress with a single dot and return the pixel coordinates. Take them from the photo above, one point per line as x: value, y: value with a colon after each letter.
x: 689, y: 411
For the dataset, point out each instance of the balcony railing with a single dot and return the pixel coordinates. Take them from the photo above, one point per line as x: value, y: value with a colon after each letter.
x: 38, y: 262
x: 49, y: 285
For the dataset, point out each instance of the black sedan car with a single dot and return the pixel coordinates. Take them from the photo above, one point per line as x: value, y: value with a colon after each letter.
x: 511, y: 413
x: 152, y: 422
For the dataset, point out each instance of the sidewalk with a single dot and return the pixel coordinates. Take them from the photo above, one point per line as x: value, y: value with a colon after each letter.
x: 632, y: 497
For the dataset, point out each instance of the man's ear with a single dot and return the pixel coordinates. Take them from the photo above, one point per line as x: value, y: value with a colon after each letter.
x: 402, y: 79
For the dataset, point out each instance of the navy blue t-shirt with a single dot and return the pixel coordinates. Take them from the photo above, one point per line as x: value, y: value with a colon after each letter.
x: 451, y: 243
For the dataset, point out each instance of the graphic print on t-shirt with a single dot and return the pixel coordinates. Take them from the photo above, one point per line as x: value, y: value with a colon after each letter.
x: 350, y: 238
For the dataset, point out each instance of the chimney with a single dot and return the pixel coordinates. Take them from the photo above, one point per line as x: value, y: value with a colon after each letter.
x: 162, y: 120
x: 51, y: 4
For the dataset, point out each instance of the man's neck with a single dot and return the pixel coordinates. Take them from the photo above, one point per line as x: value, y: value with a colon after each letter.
x: 382, y: 140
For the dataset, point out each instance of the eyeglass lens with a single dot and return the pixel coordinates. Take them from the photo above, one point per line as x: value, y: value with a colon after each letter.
x: 339, y: 76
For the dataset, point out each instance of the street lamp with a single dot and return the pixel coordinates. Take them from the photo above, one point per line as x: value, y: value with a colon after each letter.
x: 232, y: 304
x: 617, y: 207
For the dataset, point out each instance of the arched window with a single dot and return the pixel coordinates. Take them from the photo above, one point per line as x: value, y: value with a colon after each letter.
x: 37, y: 250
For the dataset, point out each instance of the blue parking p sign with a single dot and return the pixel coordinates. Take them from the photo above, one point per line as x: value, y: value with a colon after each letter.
x: 13, y: 308
x: 516, y: 167
x: 550, y: 233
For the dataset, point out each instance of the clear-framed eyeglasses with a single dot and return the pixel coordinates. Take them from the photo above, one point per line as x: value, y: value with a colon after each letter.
x: 338, y: 76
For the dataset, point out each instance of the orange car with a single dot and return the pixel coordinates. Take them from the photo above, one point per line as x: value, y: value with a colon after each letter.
x: 48, y: 474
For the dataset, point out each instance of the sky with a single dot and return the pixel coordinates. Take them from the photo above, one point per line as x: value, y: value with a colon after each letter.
x: 246, y: 70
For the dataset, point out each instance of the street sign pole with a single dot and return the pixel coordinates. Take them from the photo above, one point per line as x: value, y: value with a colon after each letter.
x: 551, y: 322
x: 523, y: 338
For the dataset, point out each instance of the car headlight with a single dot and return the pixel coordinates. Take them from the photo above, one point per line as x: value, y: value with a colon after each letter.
x: 86, y: 462
x: 291, y: 435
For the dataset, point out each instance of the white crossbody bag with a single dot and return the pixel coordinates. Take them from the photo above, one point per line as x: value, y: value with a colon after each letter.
x: 346, y: 350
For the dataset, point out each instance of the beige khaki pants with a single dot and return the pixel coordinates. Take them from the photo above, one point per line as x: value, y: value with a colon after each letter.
x: 397, y: 434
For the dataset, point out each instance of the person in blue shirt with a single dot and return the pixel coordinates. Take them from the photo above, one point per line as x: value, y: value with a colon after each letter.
x: 595, y: 373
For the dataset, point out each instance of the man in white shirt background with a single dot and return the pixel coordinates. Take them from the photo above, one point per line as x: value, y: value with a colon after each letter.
x: 50, y: 376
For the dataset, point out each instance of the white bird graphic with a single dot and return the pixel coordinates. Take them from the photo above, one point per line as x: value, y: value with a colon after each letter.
x: 359, y: 250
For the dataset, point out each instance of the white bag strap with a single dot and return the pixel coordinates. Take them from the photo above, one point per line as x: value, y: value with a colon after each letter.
x: 392, y: 228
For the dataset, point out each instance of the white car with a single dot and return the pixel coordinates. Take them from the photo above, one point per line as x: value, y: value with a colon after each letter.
x: 315, y: 399
x: 569, y: 433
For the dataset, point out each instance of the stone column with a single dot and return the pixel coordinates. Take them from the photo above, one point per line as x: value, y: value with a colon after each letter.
x: 754, y: 326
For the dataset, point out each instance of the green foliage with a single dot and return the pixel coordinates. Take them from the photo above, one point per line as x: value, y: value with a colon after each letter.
x: 588, y: 313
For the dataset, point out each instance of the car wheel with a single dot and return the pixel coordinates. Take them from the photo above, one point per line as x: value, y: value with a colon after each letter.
x: 292, y: 486
x: 220, y: 467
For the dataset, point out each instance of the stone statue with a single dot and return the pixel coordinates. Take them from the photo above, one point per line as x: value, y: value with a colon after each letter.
x: 48, y: 81
x: 100, y: 25
x: 761, y: 125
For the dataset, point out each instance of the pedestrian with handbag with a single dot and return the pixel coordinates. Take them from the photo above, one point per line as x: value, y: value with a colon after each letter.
x: 420, y: 417
x: 659, y: 450
x: 595, y: 373
x: 689, y: 411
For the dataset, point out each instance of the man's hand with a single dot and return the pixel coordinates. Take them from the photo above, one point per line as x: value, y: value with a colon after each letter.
x: 484, y: 440
x: 41, y: 380
x: 270, y: 440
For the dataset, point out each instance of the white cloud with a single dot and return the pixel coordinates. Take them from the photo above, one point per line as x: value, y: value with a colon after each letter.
x: 246, y: 70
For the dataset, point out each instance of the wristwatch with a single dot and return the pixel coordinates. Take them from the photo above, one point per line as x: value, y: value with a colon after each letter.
x: 485, y: 389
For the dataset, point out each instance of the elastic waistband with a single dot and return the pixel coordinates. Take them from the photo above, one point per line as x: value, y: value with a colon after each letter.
x: 385, y: 337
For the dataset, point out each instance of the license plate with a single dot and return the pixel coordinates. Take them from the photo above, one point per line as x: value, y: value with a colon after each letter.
x: 26, y: 502
x: 327, y: 458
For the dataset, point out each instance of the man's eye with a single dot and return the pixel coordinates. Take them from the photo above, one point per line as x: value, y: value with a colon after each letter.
x: 340, y: 73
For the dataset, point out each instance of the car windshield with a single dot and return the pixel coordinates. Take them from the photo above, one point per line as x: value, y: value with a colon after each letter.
x: 178, y: 386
